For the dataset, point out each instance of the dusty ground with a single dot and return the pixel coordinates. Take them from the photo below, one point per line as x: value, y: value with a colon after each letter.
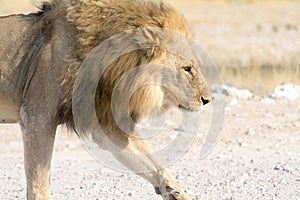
x: 258, y: 153
x: 257, y: 157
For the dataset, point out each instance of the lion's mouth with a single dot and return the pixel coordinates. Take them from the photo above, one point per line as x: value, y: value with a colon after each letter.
x: 190, y: 108
x: 194, y: 105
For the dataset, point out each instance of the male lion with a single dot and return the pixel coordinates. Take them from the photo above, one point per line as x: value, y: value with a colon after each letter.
x: 41, y: 55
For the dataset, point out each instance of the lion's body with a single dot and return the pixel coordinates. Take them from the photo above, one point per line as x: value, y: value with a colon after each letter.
x: 10, y: 100
x: 40, y: 56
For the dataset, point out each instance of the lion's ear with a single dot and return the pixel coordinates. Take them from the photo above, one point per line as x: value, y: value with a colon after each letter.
x: 149, y: 39
x: 154, y: 52
x: 151, y: 52
x: 152, y: 41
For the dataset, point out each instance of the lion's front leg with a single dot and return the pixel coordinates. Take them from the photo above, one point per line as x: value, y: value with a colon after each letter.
x: 38, y: 139
x: 137, y: 156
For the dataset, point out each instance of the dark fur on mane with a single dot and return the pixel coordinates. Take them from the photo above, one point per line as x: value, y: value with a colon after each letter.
x: 45, y: 7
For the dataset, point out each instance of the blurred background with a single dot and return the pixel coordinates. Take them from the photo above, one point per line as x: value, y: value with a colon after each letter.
x: 255, y: 44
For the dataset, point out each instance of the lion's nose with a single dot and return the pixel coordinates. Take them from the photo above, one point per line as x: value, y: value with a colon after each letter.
x: 205, y: 101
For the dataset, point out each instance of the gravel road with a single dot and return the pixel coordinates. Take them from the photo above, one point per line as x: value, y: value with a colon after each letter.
x: 257, y: 157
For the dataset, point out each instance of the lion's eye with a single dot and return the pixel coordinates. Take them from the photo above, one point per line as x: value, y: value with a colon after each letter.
x: 188, y: 69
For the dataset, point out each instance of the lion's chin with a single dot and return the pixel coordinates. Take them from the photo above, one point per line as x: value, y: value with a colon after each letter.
x: 190, y: 108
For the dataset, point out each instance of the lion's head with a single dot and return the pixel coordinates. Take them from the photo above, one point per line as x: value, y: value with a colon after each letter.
x: 167, y: 80
x: 151, y: 74
x: 184, y: 85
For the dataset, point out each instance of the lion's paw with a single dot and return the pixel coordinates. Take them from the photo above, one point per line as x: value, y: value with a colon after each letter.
x: 175, y: 195
x: 174, y: 192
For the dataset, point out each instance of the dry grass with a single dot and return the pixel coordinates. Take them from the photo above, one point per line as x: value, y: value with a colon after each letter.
x: 255, y: 43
